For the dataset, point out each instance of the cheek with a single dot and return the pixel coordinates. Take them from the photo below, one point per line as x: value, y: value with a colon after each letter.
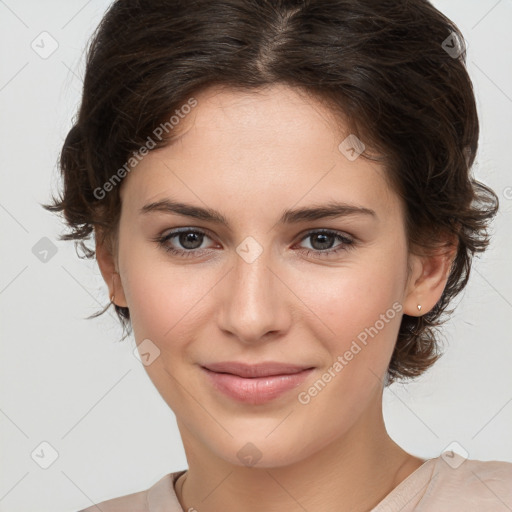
x: 163, y: 301
x: 162, y: 297
x: 353, y: 299
x: 362, y: 308
x: 359, y: 308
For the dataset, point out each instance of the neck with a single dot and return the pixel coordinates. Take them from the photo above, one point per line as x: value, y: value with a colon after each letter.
x: 352, y: 473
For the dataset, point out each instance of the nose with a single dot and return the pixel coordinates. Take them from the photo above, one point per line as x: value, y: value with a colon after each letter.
x: 255, y: 302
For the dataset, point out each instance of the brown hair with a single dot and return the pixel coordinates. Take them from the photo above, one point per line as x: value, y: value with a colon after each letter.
x: 395, y: 70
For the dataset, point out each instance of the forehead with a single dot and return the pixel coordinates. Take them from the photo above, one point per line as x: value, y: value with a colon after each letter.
x: 271, y: 145
x: 289, y: 105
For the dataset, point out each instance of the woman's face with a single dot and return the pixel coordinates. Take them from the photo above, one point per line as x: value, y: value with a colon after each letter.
x: 266, y: 284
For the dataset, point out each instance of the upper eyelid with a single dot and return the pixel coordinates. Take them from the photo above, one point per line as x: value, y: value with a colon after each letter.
x: 172, y: 233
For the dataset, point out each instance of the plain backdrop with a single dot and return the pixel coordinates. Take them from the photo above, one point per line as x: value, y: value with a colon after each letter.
x: 68, y: 383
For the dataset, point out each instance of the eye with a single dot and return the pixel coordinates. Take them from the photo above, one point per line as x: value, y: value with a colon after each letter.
x: 322, y: 242
x: 190, y: 239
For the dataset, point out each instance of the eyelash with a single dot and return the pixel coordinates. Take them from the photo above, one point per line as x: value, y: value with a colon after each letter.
x: 347, y: 244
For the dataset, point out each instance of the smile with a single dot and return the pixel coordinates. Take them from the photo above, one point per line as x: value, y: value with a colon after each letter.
x: 258, y: 389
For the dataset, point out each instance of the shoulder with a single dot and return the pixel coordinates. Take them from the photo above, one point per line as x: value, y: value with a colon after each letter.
x: 136, y: 501
x: 162, y: 492
x: 465, y: 484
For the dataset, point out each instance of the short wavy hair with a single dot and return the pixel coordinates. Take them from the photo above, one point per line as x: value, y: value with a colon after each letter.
x: 393, y: 70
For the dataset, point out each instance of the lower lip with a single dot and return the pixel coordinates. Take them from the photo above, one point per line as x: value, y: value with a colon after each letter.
x: 256, y: 390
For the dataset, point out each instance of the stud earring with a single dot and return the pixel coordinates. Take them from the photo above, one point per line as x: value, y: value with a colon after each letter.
x: 419, y: 307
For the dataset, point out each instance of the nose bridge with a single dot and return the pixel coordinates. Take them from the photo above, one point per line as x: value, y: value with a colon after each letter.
x: 254, y: 304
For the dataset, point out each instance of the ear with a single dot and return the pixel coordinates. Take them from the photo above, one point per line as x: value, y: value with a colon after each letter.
x: 107, y: 264
x: 427, y: 279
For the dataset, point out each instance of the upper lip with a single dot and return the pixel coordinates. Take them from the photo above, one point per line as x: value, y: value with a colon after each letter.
x: 256, y: 370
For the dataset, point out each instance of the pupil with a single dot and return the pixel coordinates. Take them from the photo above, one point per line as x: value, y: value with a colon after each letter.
x: 189, y: 238
x: 324, y: 240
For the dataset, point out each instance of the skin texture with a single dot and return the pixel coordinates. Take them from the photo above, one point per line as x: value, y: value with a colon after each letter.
x: 250, y: 156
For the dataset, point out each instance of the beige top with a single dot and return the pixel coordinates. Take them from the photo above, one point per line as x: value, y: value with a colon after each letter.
x: 448, y: 483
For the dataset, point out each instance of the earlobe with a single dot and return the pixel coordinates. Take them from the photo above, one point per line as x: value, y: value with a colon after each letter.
x: 427, y: 281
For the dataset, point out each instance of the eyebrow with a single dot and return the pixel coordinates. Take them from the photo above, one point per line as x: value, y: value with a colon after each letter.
x: 332, y: 209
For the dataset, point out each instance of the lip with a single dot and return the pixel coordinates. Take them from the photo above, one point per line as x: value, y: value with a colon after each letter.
x: 255, y: 384
x: 266, y: 369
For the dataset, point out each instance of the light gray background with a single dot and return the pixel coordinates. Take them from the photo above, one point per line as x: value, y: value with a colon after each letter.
x: 65, y: 380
